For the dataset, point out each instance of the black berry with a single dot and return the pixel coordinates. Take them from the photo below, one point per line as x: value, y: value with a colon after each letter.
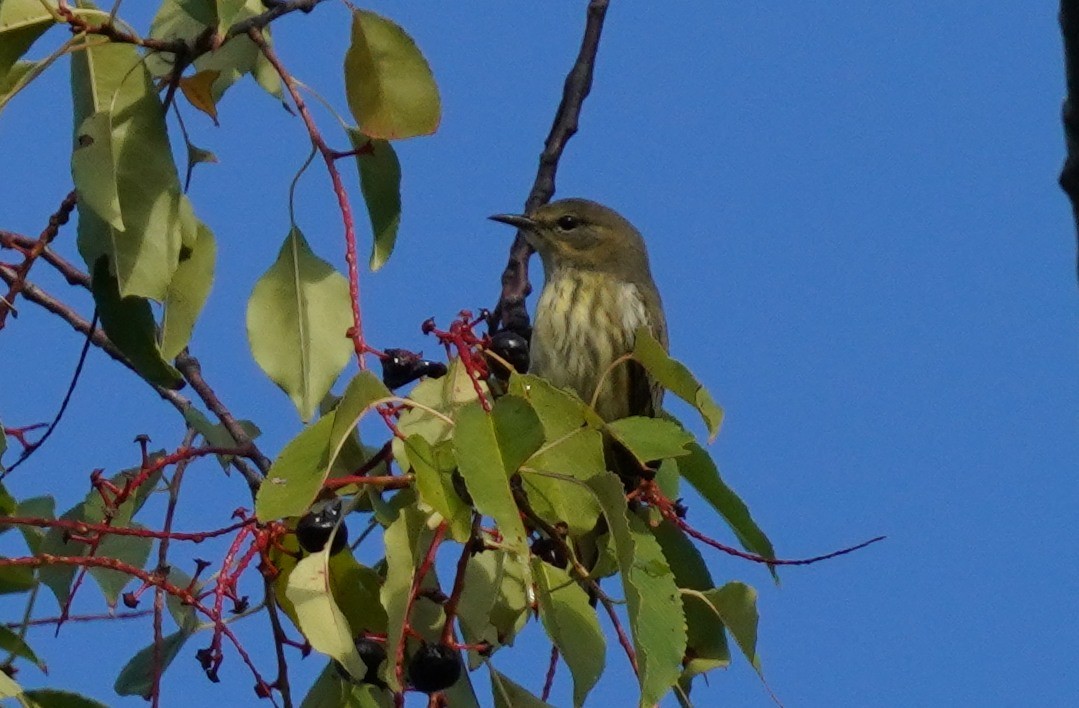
x: 402, y: 366
x: 314, y: 528
x: 511, y: 347
x: 550, y: 552
x: 433, y: 668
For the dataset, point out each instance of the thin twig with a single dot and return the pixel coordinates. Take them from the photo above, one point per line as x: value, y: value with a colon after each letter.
x: 162, y: 567
x: 280, y: 639
x: 98, y: 338
x: 343, y: 204
x: 32, y: 448
x: 31, y: 254
x: 191, y: 370
x: 1069, y: 175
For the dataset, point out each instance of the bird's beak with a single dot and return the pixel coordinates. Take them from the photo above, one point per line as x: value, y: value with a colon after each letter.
x: 519, y: 220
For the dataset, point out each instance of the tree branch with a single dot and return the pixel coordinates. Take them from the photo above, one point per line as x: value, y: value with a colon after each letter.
x: 1069, y: 175
x: 510, y: 313
x: 98, y: 338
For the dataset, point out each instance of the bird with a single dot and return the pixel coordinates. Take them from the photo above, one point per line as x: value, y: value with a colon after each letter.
x: 598, y: 292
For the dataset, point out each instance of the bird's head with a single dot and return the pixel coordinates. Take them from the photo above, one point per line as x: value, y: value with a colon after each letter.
x: 581, y: 234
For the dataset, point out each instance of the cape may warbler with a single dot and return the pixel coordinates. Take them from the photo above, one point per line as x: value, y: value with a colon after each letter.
x: 598, y: 291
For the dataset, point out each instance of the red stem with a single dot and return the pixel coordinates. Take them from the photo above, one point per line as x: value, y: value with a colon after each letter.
x: 329, y: 157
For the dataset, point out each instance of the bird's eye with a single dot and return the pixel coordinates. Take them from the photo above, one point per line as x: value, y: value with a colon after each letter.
x: 568, y: 222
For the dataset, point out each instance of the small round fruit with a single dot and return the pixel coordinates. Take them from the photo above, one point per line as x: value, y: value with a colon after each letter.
x: 314, y: 528
x: 511, y: 347
x: 434, y: 668
x: 550, y: 552
x: 373, y: 654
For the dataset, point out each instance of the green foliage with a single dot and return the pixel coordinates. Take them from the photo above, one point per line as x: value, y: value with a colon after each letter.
x: 677, y: 379
x: 380, y: 182
x: 490, y: 469
x: 296, y: 322
x: 133, y: 550
x: 572, y: 625
x: 391, y: 92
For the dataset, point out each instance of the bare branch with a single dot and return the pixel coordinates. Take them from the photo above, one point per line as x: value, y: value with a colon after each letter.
x: 510, y: 313
x: 1069, y: 175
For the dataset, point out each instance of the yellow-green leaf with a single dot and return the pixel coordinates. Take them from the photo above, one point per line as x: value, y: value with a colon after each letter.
x: 297, y: 474
x: 572, y: 625
x: 21, y: 23
x: 320, y: 619
x: 297, y: 319
x: 654, y: 603
x: 188, y: 290
x: 676, y: 378
x: 111, y: 79
x: 129, y: 322
x: 391, y: 91
x: 380, y: 182
x: 485, y: 466
x: 650, y: 439
x: 698, y: 469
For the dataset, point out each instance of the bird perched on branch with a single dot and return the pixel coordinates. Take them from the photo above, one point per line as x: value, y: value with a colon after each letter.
x: 598, y: 291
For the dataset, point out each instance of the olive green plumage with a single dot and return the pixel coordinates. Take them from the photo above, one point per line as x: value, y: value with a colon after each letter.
x: 598, y: 291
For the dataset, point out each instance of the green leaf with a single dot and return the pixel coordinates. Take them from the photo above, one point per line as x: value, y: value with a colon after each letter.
x: 21, y: 23
x: 486, y: 460
x: 40, y: 507
x: 227, y: 13
x: 434, y: 482
x: 52, y: 698
x: 93, y: 166
x: 446, y: 395
x: 8, y: 687
x: 508, y: 694
x: 133, y: 550
x: 297, y: 319
x: 380, y: 182
x: 16, y: 579
x: 736, y: 605
x: 654, y: 603
x: 128, y: 549
x: 7, y: 502
x: 319, y: 617
x: 332, y: 691
x: 406, y: 540
x: 109, y: 80
x: 129, y: 323
x: 356, y: 590
x: 14, y: 644
x: 390, y: 89
x: 578, y: 455
x: 676, y: 378
x: 650, y: 439
x: 137, y: 676
x: 23, y: 72
x: 217, y: 434
x: 363, y: 393
x: 297, y: 474
x: 706, y: 648
x: 3, y: 447
x: 572, y: 625
x: 698, y: 469
x: 188, y: 290
x: 495, y: 605
x: 560, y: 411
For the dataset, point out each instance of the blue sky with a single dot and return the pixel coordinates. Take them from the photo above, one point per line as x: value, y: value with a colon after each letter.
x: 854, y: 222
